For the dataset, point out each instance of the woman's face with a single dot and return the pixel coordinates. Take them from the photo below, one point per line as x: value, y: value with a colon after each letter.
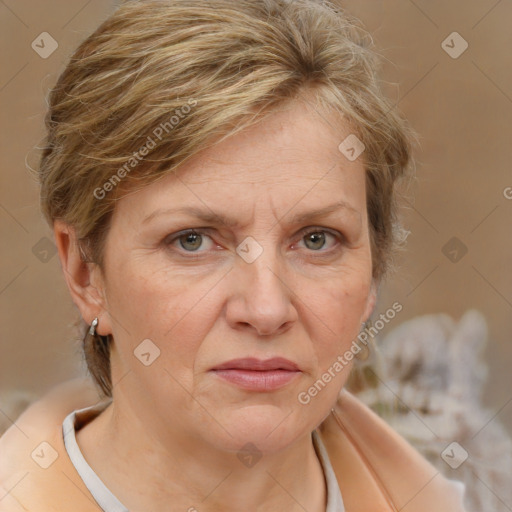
x: 218, y: 332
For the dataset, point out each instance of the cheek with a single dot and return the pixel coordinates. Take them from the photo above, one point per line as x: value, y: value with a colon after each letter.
x: 335, y: 311
x: 334, y: 317
x: 147, y: 304
x: 175, y: 311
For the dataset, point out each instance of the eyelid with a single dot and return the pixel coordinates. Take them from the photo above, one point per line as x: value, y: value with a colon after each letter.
x: 316, y: 229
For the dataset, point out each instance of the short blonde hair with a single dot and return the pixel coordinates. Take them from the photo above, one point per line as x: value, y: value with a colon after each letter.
x: 159, y: 81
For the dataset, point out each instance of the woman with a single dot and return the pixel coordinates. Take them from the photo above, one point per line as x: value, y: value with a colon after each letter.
x: 220, y: 178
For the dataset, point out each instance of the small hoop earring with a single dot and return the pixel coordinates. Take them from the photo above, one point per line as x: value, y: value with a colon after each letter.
x: 92, y: 329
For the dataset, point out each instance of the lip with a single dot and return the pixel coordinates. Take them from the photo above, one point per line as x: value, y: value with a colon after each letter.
x: 258, y: 375
x: 252, y: 363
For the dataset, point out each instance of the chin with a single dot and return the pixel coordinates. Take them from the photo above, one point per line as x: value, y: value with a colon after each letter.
x: 269, y: 428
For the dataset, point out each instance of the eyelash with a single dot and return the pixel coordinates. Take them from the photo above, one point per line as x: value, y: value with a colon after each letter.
x: 171, y: 239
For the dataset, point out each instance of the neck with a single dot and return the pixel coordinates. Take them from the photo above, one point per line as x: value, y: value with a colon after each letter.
x: 177, y: 473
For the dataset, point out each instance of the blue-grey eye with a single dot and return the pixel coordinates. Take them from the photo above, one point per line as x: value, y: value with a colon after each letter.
x: 316, y: 239
x: 191, y: 241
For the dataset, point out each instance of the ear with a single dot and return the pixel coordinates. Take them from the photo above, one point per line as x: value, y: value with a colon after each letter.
x: 84, y: 279
x: 371, y: 300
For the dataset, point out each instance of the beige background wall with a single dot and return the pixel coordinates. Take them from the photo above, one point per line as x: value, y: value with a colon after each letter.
x: 461, y: 108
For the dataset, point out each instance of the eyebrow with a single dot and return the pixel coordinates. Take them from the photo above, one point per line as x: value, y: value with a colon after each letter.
x: 217, y: 218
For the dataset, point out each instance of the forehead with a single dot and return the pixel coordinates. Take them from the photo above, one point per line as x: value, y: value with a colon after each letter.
x: 296, y: 134
x: 291, y: 157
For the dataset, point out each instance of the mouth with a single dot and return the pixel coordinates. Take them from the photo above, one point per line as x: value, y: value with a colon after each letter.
x: 258, y: 375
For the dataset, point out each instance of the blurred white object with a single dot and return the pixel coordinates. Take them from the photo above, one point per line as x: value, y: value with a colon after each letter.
x: 427, y: 382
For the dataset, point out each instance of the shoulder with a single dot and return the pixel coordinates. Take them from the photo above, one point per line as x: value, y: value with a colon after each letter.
x: 35, y: 472
x: 367, y: 454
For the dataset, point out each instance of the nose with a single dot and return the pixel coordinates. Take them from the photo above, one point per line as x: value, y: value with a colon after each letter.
x: 261, y: 298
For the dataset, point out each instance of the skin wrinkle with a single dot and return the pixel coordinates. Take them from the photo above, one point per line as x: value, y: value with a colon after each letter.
x: 201, y: 312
